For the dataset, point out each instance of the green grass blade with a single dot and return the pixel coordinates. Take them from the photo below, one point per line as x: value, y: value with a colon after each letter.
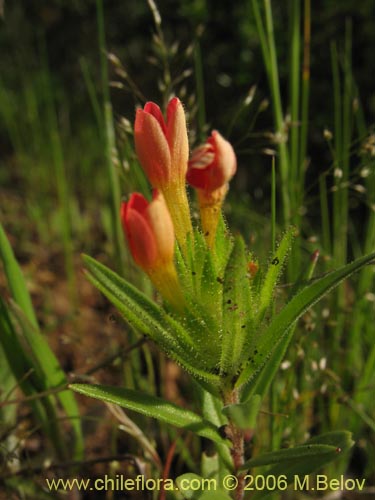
x: 26, y: 373
x: 49, y: 370
x: 15, y: 278
x: 45, y: 360
x: 111, y: 154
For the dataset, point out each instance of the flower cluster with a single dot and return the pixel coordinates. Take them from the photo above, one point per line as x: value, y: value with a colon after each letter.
x: 151, y: 228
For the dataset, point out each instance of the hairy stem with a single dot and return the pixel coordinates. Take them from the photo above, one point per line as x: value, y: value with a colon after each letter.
x: 236, y: 435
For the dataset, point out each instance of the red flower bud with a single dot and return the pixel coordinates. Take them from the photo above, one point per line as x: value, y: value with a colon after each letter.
x: 149, y: 231
x: 162, y: 146
x: 212, y: 165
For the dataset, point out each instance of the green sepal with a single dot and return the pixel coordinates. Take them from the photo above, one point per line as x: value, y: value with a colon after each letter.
x: 154, y: 407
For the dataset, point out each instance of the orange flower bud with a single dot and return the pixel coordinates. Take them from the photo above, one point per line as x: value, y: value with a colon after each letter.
x: 149, y: 230
x: 212, y: 165
x: 162, y: 147
x: 163, y: 151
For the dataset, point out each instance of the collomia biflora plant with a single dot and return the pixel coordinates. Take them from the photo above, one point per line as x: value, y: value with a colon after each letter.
x: 217, y: 317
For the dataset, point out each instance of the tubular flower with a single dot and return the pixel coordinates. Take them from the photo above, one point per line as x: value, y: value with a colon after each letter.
x: 163, y: 150
x: 149, y: 230
x: 211, y: 167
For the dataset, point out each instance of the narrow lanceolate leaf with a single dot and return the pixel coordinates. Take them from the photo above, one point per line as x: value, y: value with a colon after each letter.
x: 302, y: 461
x: 237, y: 308
x: 281, y: 325
x: 223, y: 245
x: 152, y: 406
x: 150, y: 319
x: 264, y: 377
x: 326, y: 446
x: 273, y: 273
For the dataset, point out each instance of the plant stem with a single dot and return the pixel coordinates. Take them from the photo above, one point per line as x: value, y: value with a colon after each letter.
x: 236, y: 435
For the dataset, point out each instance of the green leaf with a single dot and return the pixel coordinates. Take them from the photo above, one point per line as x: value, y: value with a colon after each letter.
x: 244, y: 414
x: 303, y: 460
x: 152, y: 406
x: 280, y: 329
x: 296, y: 453
x: 223, y: 244
x: 211, y: 289
x: 151, y: 320
x: 264, y: 377
x: 237, y: 308
x: 211, y: 410
x: 273, y: 273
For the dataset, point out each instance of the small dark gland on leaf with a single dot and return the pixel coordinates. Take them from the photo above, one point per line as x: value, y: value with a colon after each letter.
x: 193, y: 273
x: 207, y: 233
x: 243, y: 326
x: 275, y: 261
x: 229, y: 301
x: 255, y: 351
x: 220, y: 280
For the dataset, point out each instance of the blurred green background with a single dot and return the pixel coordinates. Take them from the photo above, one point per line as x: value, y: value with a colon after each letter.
x: 67, y: 157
